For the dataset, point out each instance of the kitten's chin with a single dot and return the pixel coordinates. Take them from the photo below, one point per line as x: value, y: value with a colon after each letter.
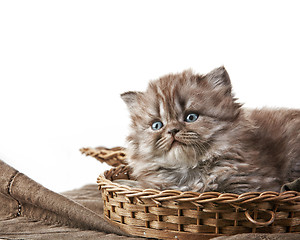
x: 181, y: 155
x: 175, y: 144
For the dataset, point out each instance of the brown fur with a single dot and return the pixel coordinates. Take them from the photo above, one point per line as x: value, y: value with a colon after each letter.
x: 227, y: 149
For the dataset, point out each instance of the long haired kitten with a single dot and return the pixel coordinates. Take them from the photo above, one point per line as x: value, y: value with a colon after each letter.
x: 189, y: 133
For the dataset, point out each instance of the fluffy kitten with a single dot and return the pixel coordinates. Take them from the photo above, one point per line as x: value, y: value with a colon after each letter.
x: 189, y: 133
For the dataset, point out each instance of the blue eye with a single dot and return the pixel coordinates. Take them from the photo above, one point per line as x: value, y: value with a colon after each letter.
x: 157, y: 125
x: 192, y: 117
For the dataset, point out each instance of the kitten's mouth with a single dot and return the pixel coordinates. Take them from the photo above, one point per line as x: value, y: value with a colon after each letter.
x: 175, y: 143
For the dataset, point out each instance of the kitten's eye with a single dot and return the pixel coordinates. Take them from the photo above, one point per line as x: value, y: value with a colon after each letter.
x: 192, y: 117
x: 157, y: 125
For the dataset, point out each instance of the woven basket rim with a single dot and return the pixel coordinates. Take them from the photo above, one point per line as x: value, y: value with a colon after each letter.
x: 170, y: 214
x: 196, y: 197
x: 116, y: 157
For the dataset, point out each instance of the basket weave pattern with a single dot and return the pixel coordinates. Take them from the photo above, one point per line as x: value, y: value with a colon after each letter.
x: 114, y: 156
x: 174, y: 214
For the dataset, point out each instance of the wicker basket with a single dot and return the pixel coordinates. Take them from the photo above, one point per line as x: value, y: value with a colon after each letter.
x: 173, y: 214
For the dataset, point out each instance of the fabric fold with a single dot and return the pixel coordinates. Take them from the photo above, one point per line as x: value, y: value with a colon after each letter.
x: 21, y: 196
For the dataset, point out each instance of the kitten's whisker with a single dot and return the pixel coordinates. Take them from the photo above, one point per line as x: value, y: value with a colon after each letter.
x: 201, y: 148
x: 161, y: 143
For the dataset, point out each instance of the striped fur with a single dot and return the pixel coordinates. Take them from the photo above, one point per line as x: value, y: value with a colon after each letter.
x: 227, y: 149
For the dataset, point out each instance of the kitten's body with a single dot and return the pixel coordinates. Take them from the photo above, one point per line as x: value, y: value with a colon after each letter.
x: 226, y: 149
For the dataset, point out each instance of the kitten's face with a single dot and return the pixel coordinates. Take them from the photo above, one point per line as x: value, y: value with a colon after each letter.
x: 177, y: 120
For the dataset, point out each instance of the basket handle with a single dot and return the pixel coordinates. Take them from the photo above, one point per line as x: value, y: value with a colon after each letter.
x: 272, y: 214
x: 112, y: 156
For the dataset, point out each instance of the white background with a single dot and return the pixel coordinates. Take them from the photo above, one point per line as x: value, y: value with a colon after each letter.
x: 63, y: 65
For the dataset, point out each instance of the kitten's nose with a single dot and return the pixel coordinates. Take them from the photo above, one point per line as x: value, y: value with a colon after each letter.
x: 173, y: 131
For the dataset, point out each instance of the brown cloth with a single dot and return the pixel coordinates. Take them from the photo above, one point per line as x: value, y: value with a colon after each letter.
x: 30, y: 211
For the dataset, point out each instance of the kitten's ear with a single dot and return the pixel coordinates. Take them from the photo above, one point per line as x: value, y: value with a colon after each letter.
x: 131, y: 98
x: 219, y: 78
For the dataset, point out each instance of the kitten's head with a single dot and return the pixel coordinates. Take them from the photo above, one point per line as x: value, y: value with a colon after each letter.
x: 178, y: 119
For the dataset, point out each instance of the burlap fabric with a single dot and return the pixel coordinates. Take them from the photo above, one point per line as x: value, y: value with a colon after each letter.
x: 30, y: 211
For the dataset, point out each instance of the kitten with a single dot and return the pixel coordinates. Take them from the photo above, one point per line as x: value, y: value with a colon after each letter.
x: 189, y: 133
